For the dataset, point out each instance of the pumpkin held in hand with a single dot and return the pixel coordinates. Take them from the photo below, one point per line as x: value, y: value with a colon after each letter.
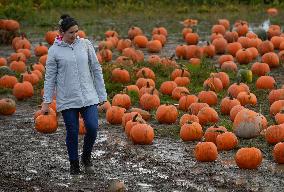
x: 46, y: 123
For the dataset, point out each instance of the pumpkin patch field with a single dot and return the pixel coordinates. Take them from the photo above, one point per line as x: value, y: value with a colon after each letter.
x: 195, y: 97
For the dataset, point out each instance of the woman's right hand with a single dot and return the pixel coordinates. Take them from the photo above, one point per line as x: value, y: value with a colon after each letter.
x: 44, y: 108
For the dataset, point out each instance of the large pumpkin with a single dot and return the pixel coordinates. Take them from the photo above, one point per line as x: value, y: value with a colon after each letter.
x: 247, y: 124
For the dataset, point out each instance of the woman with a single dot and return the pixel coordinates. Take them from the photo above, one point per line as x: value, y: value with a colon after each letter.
x: 73, y: 70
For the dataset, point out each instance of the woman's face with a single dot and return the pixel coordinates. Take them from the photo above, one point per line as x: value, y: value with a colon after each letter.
x: 71, y: 34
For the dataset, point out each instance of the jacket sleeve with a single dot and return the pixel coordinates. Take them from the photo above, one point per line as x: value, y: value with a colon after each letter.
x: 97, y: 73
x: 50, y: 77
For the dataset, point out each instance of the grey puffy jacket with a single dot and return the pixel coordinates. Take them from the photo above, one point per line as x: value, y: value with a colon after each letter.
x: 77, y: 81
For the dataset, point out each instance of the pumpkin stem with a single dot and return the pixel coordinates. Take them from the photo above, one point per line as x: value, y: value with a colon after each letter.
x: 21, y: 78
x: 144, y: 73
x: 172, y: 57
x: 134, y: 117
x: 152, y: 91
x: 230, y: 96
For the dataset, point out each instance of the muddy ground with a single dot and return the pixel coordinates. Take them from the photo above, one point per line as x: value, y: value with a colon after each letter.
x: 31, y: 161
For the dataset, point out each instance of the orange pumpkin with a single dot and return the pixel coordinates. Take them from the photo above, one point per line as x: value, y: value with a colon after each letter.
x: 134, y: 31
x: 178, y: 92
x: 146, y: 72
x: 104, y: 107
x: 188, y: 118
x: 167, y: 87
x: 40, y: 50
x: 121, y: 100
x: 214, y: 83
x: 265, y: 82
x: 194, y: 108
x: 248, y: 158
x: 205, y: 152
x: 234, y: 111
x: 154, y: 46
x: 8, y: 81
x: 236, y: 88
x: 207, y: 115
x: 279, y: 117
x: 227, y: 104
x: 220, y: 45
x: 226, y: 141
x: 191, y: 132
x: 278, y: 153
x: 129, y: 116
x: 7, y: 106
x: 46, y: 123
x: 276, y: 107
x: 260, y: 69
x: 246, y: 98
x: 114, y: 114
x: 149, y: 101
x: 274, y: 134
x: 271, y: 59
x: 142, y: 134
x: 208, y: 97
x: 140, y: 41
x: 120, y: 75
x: 212, y: 132
x: 167, y: 114
x: 228, y: 66
x: 275, y: 95
x: 23, y: 90
x: 82, y: 128
x: 123, y: 43
x: 186, y: 100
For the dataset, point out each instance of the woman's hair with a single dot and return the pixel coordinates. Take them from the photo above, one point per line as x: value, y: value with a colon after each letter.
x: 66, y: 22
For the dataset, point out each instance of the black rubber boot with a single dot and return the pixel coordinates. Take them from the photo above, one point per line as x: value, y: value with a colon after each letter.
x: 75, y: 167
x: 86, y: 161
